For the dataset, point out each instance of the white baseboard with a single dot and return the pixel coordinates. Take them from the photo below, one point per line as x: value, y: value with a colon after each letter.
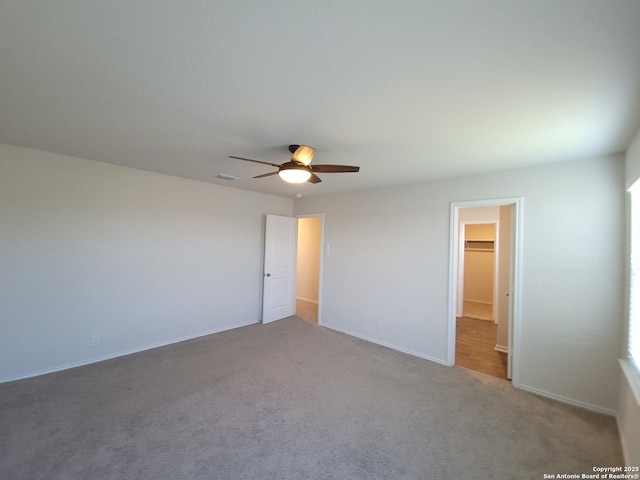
x: 477, y: 301
x: 569, y: 401
x: 500, y: 348
x: 122, y: 353
x: 307, y: 300
x: 385, y: 344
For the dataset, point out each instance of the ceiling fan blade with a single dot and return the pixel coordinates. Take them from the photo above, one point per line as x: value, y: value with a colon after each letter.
x: 254, y: 161
x: 334, y: 168
x: 314, y: 178
x: 265, y: 175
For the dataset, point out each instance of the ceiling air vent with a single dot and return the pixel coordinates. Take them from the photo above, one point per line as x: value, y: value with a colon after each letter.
x: 225, y: 176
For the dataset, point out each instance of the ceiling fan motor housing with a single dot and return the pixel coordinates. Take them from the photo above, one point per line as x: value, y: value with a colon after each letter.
x: 293, y: 165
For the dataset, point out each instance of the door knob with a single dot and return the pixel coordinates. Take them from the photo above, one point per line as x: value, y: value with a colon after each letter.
x: 267, y: 274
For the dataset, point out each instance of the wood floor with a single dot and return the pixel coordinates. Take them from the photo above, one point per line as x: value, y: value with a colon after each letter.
x: 475, y: 347
x: 308, y: 311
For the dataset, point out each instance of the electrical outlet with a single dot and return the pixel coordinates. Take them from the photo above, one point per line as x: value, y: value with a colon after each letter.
x: 379, y: 326
x: 95, y: 340
x: 353, y: 319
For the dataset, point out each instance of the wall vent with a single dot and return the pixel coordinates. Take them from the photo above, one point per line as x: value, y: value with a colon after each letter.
x: 226, y: 176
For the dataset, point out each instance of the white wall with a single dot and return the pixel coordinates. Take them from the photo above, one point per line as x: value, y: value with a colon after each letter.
x: 390, y: 255
x: 632, y: 160
x: 628, y: 414
x: 479, y: 215
x: 140, y: 259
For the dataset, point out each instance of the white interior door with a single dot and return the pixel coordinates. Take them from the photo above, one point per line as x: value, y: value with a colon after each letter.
x: 279, y: 280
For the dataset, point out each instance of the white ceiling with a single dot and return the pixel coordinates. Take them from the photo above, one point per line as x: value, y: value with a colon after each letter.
x: 409, y: 90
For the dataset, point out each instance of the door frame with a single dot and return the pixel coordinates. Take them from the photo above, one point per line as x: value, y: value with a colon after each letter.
x: 322, y: 253
x: 516, y: 278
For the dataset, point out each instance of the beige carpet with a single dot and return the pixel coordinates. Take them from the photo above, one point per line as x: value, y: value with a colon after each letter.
x: 289, y: 401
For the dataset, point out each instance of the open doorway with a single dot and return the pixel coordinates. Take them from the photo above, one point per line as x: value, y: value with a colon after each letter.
x: 487, y: 235
x: 478, y: 316
x: 477, y: 265
x: 309, y: 268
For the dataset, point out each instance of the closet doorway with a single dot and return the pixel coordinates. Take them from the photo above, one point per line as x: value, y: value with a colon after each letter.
x: 485, y: 272
x: 478, y: 268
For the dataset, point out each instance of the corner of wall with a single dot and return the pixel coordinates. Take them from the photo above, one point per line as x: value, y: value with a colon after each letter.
x: 628, y: 414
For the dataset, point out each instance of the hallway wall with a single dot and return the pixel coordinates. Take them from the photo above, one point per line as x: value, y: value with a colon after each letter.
x: 308, y: 262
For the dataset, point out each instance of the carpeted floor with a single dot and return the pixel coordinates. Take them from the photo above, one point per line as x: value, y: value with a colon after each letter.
x: 289, y: 400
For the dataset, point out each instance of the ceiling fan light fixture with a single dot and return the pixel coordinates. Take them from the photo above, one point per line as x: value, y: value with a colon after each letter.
x: 303, y: 154
x: 294, y: 175
x: 298, y: 169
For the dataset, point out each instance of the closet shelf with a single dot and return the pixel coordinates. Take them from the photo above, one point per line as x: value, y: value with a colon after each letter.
x: 479, y: 245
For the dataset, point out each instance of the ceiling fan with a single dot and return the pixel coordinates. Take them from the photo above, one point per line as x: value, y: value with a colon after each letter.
x: 299, y: 168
